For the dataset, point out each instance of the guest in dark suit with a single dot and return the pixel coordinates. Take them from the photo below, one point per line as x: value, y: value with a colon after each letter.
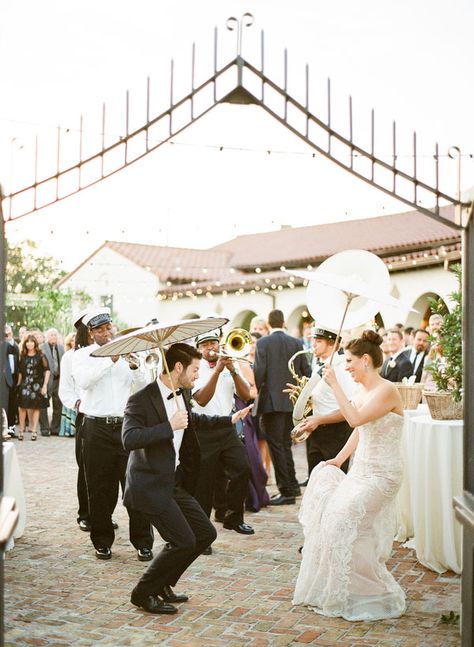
x: 53, y: 353
x: 10, y: 371
x: 418, y: 352
x: 271, y: 377
x: 397, y: 366
x: 162, y: 473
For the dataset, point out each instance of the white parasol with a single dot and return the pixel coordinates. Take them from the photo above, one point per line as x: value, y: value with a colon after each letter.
x: 158, y: 335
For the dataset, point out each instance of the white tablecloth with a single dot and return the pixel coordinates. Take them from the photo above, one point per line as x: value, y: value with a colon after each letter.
x: 13, y: 487
x: 432, y: 477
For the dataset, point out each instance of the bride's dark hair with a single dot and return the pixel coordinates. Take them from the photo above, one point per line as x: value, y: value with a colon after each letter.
x: 367, y: 344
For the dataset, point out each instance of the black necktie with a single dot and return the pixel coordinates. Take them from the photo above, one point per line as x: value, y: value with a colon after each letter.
x: 171, y: 396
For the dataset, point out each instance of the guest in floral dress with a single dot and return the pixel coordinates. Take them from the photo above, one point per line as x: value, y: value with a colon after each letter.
x: 32, y: 382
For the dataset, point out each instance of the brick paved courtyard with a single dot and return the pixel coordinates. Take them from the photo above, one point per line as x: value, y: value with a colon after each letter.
x: 58, y: 593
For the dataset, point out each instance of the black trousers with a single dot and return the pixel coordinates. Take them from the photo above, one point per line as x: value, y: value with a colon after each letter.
x: 325, y: 442
x: 277, y: 427
x: 82, y: 498
x: 105, y: 463
x: 57, y: 410
x: 187, y: 529
x: 223, y: 453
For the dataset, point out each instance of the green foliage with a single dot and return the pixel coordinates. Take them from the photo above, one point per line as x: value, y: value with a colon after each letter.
x: 32, y: 300
x: 450, y: 618
x: 446, y: 369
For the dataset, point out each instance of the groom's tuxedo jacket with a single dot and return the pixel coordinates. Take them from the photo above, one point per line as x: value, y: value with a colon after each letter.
x: 148, y: 435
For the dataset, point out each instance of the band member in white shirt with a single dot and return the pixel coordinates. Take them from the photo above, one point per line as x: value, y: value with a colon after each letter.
x: 106, y: 383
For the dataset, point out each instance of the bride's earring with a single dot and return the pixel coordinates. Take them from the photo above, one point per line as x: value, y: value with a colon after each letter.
x: 366, y: 367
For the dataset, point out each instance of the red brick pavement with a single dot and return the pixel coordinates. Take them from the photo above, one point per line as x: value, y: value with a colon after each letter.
x: 58, y: 593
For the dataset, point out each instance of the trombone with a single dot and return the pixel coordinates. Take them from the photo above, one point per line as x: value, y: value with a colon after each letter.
x: 236, y: 346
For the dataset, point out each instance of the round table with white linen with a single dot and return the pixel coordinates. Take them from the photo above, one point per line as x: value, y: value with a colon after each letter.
x: 432, y: 477
x: 13, y: 487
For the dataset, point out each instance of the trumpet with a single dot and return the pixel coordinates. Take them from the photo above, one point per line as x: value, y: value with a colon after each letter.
x: 236, y: 346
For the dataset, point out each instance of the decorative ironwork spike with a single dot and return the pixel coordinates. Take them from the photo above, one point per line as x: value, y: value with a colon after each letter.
x: 237, y: 25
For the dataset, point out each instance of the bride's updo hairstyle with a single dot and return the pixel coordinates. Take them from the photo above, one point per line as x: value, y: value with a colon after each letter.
x: 367, y: 344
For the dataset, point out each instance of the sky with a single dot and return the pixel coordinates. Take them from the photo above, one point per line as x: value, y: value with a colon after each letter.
x: 235, y: 171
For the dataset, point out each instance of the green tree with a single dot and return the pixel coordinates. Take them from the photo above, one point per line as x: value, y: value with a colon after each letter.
x: 32, y: 300
x: 447, y: 367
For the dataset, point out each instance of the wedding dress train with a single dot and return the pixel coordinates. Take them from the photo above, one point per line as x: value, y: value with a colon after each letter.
x: 349, y: 525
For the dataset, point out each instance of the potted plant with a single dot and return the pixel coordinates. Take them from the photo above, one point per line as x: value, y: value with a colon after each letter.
x: 446, y: 368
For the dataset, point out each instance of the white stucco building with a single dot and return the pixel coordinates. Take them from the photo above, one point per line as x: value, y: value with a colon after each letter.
x: 244, y: 277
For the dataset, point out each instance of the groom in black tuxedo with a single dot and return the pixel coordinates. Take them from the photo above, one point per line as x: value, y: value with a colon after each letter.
x: 159, y: 430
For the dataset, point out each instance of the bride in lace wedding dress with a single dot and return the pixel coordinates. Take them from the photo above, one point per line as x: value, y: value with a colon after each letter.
x: 348, y: 521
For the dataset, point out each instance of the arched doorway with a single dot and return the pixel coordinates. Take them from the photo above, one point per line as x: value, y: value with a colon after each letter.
x: 422, y: 305
x: 243, y: 319
x: 298, y: 320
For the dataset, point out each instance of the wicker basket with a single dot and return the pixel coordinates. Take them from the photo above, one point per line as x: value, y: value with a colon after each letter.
x: 410, y: 393
x: 442, y: 406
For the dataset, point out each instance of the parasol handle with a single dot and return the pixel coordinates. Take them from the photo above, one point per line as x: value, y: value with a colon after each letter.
x: 167, y: 371
x: 349, y: 296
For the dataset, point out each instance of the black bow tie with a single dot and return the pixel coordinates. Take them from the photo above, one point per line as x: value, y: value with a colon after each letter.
x: 171, y: 396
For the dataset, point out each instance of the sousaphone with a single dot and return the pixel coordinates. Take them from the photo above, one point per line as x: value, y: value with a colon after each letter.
x: 344, y: 292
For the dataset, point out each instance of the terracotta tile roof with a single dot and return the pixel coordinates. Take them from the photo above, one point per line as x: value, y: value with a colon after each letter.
x: 174, y: 263
x: 382, y: 235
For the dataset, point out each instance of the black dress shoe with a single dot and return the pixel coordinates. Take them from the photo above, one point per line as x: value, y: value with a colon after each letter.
x: 84, y: 525
x: 114, y: 525
x: 144, y: 554
x: 152, y: 604
x: 280, y: 499
x: 242, y: 528
x: 207, y: 551
x: 169, y: 595
x: 103, y: 553
x: 45, y: 433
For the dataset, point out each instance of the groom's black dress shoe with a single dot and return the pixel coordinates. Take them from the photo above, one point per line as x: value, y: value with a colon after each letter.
x: 169, y: 595
x: 152, y: 604
x: 280, y: 499
x: 242, y: 528
x: 304, y: 483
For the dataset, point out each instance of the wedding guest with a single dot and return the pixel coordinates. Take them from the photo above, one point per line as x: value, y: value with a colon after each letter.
x: 408, y: 336
x: 10, y: 373
x: 397, y: 366
x: 271, y: 375
x: 257, y: 496
x: 67, y: 388
x: 418, y: 353
x: 262, y: 441
x: 260, y: 325
x: 53, y: 352
x: 33, y: 378
x: 348, y: 520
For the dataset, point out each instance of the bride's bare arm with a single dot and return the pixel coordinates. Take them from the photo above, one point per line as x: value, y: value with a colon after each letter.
x: 348, y: 449
x: 385, y: 399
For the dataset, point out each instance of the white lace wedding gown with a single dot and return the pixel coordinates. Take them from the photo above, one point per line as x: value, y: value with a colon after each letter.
x: 349, y: 525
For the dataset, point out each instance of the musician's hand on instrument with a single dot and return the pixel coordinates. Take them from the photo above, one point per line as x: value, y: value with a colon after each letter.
x: 292, y: 388
x: 238, y: 415
x: 329, y: 376
x: 179, y: 420
x: 310, y: 424
x: 115, y: 358
x: 221, y: 364
x: 229, y: 364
